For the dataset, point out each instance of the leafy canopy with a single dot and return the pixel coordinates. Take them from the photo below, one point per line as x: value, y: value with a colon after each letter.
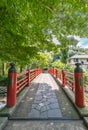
x: 25, y: 26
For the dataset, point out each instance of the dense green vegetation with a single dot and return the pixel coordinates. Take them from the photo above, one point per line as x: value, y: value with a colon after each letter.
x: 27, y: 28
x: 24, y: 28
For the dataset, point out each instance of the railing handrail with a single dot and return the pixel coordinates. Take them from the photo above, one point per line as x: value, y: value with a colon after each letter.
x: 74, y: 81
x: 22, y: 73
x: 70, y: 73
x: 18, y: 81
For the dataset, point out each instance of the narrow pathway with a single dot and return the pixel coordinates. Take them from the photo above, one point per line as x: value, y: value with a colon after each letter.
x: 45, y: 104
x: 45, y: 107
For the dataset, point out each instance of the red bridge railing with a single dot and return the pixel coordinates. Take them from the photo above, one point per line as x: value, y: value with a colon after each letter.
x: 66, y: 77
x: 22, y: 81
x: 16, y: 82
x: 73, y: 81
x: 70, y: 82
x: 56, y: 72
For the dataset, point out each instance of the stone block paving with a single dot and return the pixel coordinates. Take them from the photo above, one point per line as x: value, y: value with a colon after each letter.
x: 45, y: 104
x: 54, y: 96
x: 45, y: 125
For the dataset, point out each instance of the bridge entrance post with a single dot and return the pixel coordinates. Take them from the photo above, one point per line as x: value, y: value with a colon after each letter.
x: 11, y: 87
x: 79, y: 87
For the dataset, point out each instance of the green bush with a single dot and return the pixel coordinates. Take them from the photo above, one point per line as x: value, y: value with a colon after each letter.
x: 69, y: 68
x: 60, y: 65
x: 85, y: 76
x: 3, y: 77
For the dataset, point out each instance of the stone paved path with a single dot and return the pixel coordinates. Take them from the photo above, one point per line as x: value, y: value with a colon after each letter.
x: 43, y: 96
x: 45, y: 104
x: 45, y: 125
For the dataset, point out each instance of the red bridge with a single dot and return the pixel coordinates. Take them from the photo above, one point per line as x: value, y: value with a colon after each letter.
x: 51, y: 100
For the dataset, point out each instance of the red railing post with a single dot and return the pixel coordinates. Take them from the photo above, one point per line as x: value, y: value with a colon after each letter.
x: 37, y: 71
x: 56, y: 73
x: 11, y: 88
x: 57, y: 76
x: 79, y: 87
x: 63, y: 78
x: 40, y: 70
x: 53, y: 71
x: 28, y: 77
x: 34, y: 73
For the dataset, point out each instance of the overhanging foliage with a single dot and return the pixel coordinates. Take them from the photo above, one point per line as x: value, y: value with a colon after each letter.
x: 25, y: 25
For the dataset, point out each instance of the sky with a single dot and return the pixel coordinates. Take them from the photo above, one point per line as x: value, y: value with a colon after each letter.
x: 83, y: 43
